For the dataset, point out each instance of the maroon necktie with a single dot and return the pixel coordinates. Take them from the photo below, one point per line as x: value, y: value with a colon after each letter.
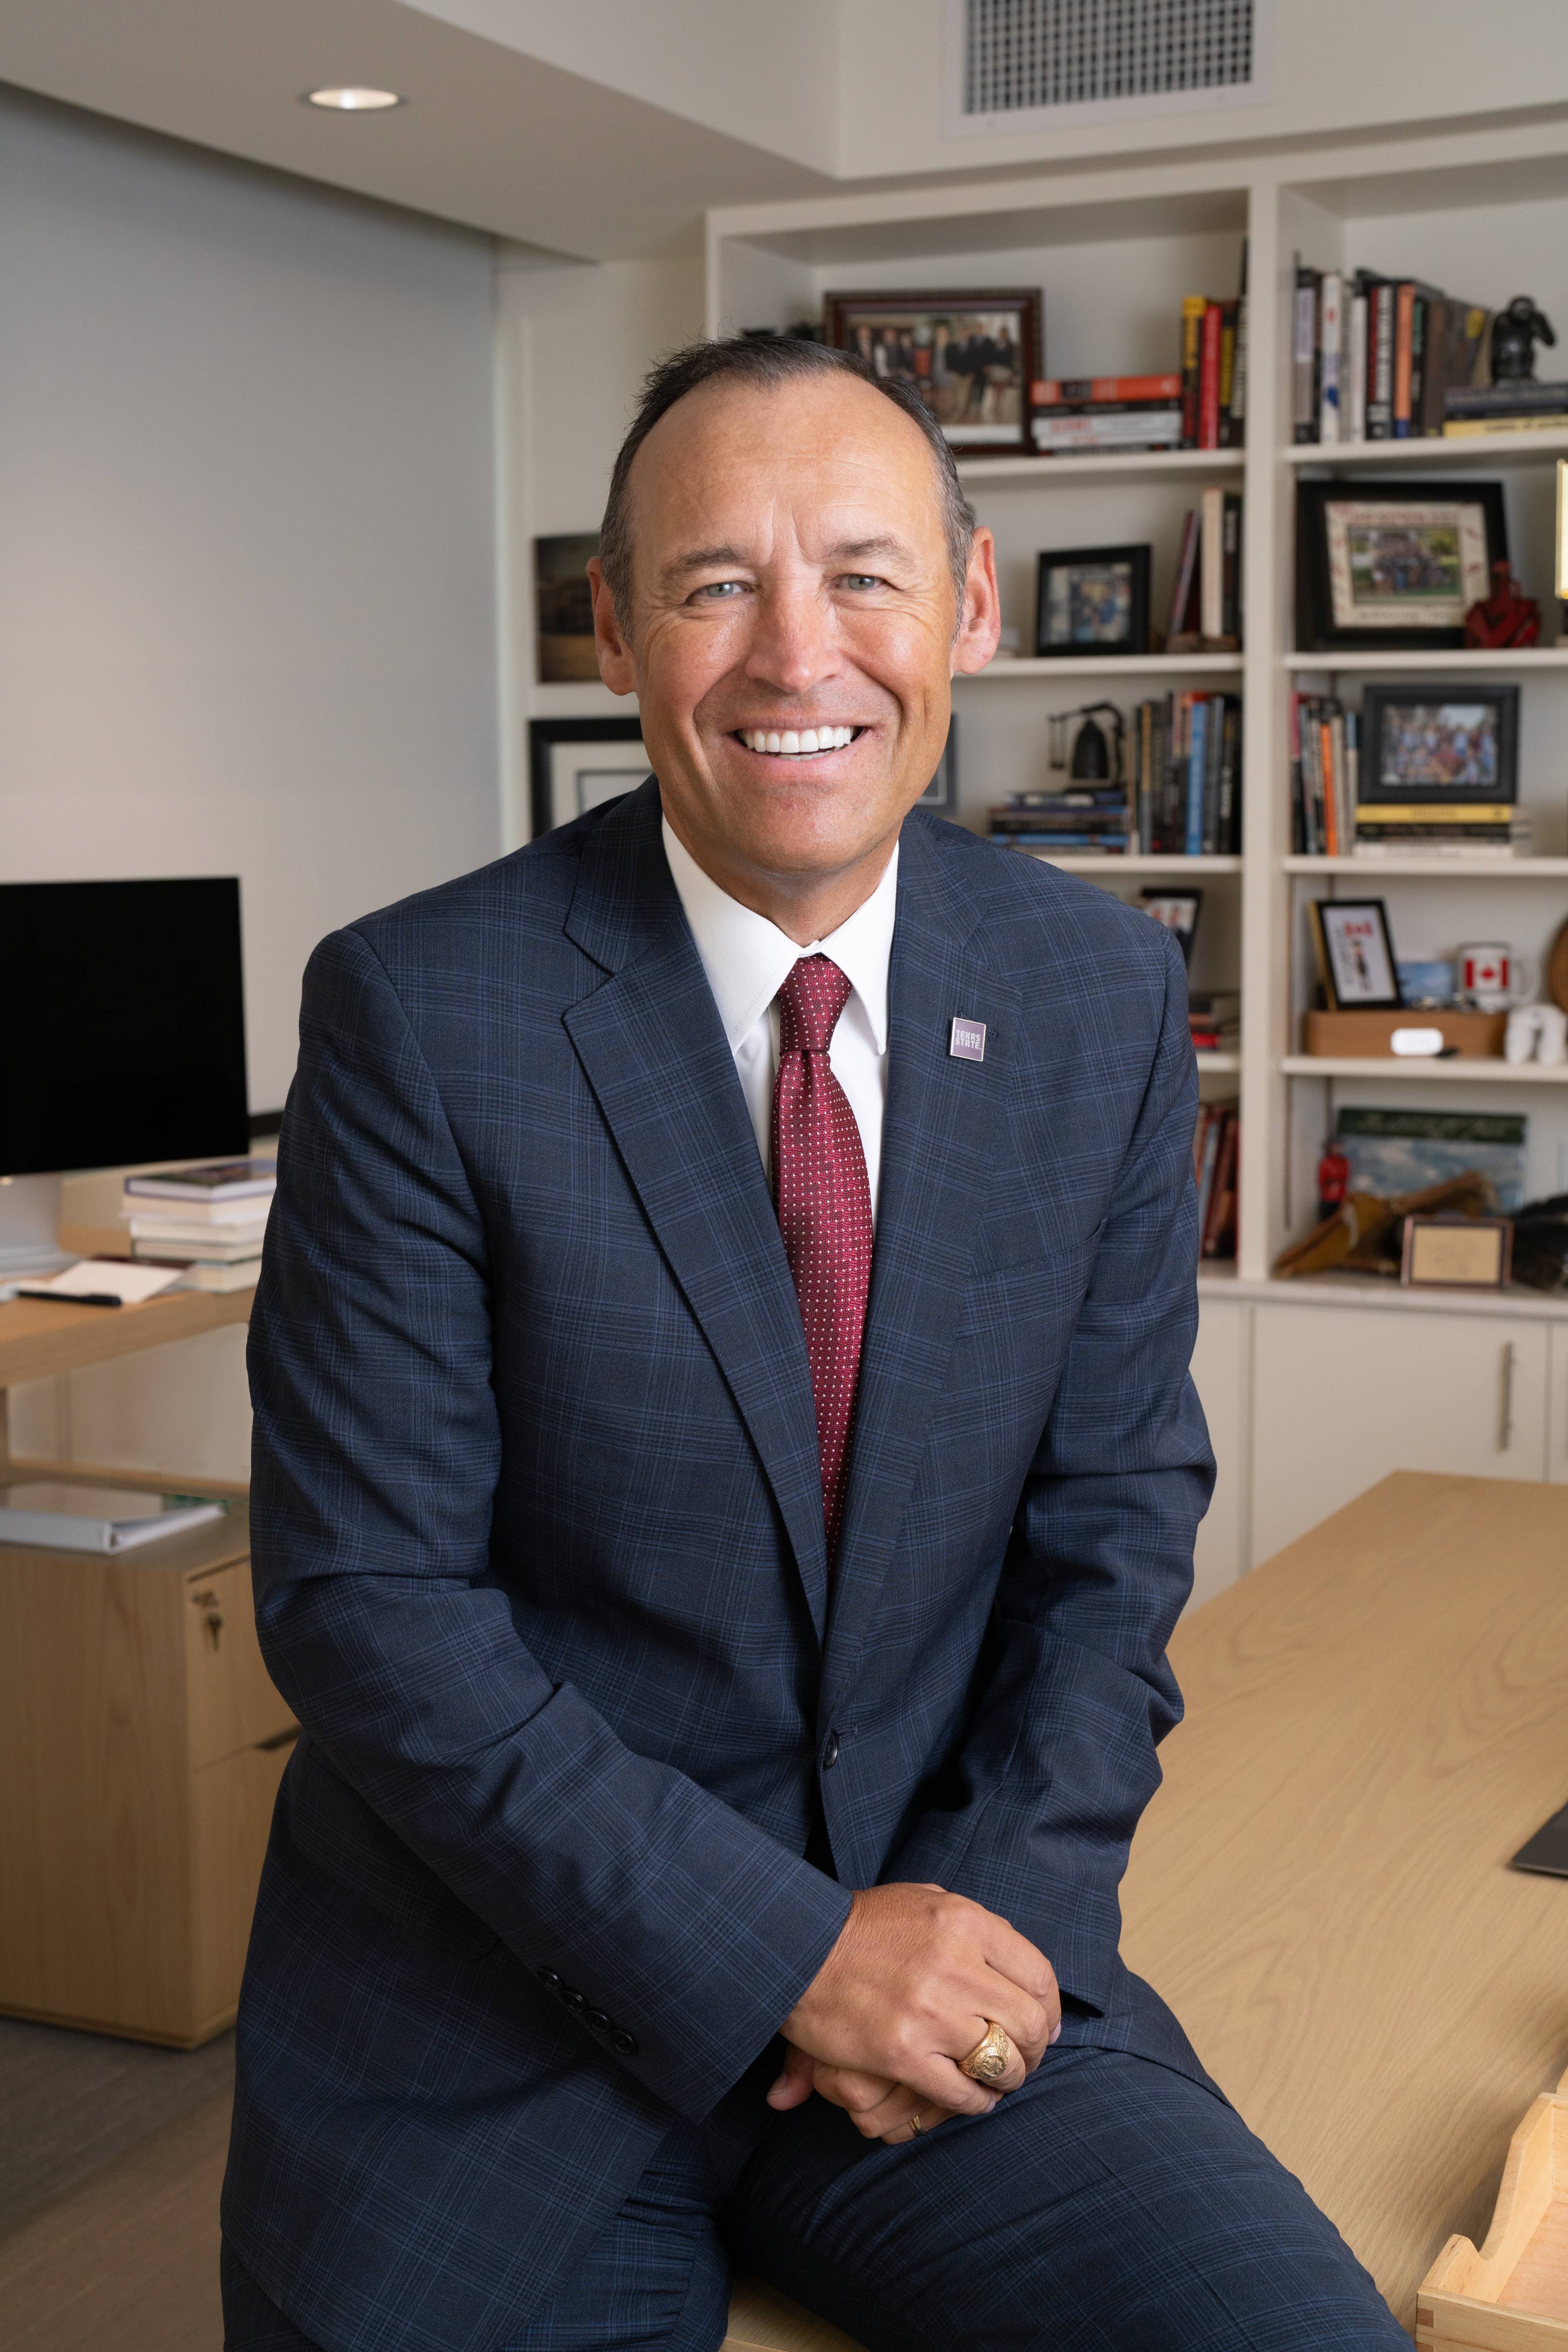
x: 825, y: 1210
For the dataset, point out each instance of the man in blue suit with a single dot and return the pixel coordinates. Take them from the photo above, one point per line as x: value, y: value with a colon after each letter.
x: 725, y: 1476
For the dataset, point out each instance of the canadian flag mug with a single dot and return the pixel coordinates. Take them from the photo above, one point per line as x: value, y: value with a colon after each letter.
x: 1494, y: 977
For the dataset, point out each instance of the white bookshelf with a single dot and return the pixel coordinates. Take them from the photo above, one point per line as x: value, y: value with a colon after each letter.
x: 1114, y: 249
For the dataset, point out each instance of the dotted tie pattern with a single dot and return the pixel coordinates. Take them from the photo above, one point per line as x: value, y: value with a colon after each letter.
x: 823, y: 1204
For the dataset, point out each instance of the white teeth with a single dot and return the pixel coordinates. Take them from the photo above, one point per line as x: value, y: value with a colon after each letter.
x: 797, y: 745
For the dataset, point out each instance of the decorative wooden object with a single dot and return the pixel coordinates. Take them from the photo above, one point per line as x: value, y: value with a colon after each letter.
x: 1367, y: 1033
x: 1511, y: 2295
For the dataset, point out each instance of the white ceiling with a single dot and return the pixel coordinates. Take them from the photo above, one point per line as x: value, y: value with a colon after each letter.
x: 490, y: 137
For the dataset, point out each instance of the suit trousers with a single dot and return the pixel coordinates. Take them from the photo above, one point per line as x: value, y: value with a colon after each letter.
x: 1112, y: 2205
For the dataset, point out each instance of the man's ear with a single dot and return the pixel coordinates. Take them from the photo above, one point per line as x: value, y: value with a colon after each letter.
x: 615, y: 664
x: 979, y: 622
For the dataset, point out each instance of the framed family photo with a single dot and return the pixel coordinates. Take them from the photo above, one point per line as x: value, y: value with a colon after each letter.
x: 1437, y: 743
x: 1093, y: 600
x: 971, y: 357
x: 1393, y: 566
x: 574, y: 764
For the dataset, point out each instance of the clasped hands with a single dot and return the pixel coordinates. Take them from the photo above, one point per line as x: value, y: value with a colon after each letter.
x: 910, y: 1987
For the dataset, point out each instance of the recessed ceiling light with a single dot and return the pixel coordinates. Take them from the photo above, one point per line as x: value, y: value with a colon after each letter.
x: 353, y: 101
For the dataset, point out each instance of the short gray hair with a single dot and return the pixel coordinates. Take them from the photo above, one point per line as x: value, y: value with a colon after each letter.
x: 764, y: 362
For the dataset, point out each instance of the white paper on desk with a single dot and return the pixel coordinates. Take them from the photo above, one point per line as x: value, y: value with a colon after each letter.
x: 114, y: 1276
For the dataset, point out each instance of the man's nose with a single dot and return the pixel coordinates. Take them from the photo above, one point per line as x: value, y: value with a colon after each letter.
x: 795, y: 642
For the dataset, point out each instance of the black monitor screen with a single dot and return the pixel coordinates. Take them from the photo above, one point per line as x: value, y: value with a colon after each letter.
x: 122, y: 1025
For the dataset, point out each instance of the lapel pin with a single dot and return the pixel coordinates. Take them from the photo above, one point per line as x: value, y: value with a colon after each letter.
x: 966, y: 1040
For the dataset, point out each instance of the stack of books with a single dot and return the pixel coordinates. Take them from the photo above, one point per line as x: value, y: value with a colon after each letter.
x: 1213, y: 371
x: 1528, y: 407
x: 1216, y: 1142
x: 211, y: 1221
x: 1215, y: 1020
x: 1325, y: 758
x: 1379, y: 359
x: 1442, y: 829
x: 1206, y: 596
x: 1185, y: 757
x: 1079, y: 820
x: 1106, y: 412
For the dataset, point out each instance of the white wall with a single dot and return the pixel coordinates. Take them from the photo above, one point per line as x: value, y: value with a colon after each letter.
x: 246, y: 567
x: 247, y: 594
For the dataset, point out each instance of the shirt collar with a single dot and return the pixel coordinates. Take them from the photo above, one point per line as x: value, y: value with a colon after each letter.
x: 747, y: 958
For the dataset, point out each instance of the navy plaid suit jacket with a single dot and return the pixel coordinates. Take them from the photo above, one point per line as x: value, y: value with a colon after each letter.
x: 539, y: 1550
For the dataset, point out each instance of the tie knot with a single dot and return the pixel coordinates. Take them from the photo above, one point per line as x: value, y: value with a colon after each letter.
x: 810, y: 1002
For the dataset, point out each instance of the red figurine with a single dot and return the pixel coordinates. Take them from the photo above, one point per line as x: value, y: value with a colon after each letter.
x: 1505, y: 617
x: 1333, y: 1180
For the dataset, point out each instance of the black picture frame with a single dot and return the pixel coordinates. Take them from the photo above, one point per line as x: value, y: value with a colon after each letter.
x: 1336, y: 922
x: 906, y: 336
x: 1162, y: 904
x: 1445, y: 700
x: 941, y: 792
x: 1072, y: 582
x: 1333, y: 516
x: 545, y: 736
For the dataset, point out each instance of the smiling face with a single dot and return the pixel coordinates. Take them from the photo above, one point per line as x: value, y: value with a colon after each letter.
x: 792, y: 635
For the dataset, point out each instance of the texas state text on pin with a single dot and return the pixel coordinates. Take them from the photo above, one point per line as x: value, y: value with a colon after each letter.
x: 966, y: 1040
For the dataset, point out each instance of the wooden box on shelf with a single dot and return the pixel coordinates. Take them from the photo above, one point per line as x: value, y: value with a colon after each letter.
x: 1363, y: 1036
x: 142, y: 1743
x: 1511, y: 2295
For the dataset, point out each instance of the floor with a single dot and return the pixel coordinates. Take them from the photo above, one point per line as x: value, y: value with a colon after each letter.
x: 110, y: 2164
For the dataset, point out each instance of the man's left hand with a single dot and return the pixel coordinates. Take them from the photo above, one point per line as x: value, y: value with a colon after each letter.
x: 879, y: 2110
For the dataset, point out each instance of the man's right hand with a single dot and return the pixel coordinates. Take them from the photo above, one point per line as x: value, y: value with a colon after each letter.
x: 908, y: 1991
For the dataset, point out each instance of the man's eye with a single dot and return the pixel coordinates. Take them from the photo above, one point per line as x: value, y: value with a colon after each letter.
x: 716, y: 589
x: 860, y: 580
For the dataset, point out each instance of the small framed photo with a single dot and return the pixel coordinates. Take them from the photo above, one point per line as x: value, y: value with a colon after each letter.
x: 971, y: 357
x: 574, y: 764
x: 1437, y: 743
x: 1178, y: 910
x: 1393, y: 566
x: 1093, y: 600
x: 1457, y: 1253
x: 941, y: 792
x: 564, y: 608
x: 1355, y: 955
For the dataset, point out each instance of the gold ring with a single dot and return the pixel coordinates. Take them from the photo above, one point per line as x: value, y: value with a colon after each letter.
x: 916, y: 2126
x: 990, y: 2058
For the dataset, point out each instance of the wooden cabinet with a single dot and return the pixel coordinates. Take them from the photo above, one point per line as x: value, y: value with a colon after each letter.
x: 1557, y: 1408
x: 141, y: 1748
x: 1340, y: 1396
x: 1221, y: 1370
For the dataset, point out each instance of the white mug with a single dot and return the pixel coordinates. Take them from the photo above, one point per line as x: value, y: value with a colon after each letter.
x: 1492, y: 977
x: 1537, y: 1033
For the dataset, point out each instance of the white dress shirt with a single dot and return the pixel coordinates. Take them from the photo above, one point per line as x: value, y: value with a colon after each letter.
x: 747, y: 961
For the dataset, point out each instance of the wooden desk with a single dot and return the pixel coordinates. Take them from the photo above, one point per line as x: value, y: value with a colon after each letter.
x: 1376, y: 1719
x: 40, y: 1338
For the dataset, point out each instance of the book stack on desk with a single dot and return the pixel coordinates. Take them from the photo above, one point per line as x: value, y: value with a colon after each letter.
x: 211, y: 1221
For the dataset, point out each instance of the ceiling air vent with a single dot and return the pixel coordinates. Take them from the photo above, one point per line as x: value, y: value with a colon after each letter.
x: 1026, y: 65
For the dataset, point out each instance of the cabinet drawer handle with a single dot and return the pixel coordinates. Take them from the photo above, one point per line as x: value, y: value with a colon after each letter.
x: 1505, y: 1399
x: 208, y: 1602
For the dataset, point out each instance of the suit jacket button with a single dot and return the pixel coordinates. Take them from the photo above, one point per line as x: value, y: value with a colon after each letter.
x: 548, y: 1978
x: 830, y: 1751
x: 597, y: 2019
x: 626, y: 2044
x: 574, y: 2000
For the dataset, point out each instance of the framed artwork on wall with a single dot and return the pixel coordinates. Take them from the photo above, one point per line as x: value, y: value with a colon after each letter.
x: 574, y: 764
x: 1093, y: 600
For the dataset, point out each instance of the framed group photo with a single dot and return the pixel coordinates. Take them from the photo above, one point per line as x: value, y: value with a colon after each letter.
x: 1393, y: 566
x: 971, y: 357
x: 1093, y: 600
x: 1431, y: 743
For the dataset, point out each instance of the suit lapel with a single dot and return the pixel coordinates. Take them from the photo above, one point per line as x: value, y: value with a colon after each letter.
x: 939, y: 1147
x: 654, y: 1050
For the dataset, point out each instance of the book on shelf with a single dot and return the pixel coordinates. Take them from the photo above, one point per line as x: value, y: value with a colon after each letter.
x: 1200, y: 405
x: 1511, y: 402
x: 1426, y: 829
x: 226, y: 1180
x: 1078, y: 818
x: 1216, y: 1139
x: 1205, y: 595
x: 1463, y: 428
x: 1376, y: 358
x: 1127, y: 428
x: 1184, y: 762
x: 1325, y: 767
x: 59, y: 1516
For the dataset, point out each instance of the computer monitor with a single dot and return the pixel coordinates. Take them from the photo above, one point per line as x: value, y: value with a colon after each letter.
x: 121, y: 1038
